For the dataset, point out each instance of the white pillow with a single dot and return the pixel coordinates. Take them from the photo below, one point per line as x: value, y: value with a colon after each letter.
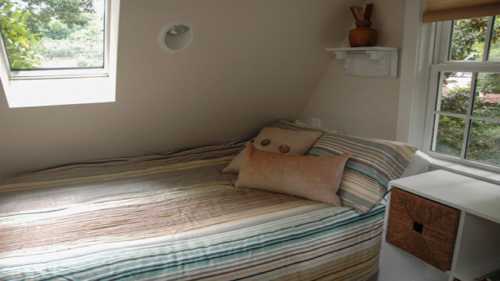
x: 277, y: 140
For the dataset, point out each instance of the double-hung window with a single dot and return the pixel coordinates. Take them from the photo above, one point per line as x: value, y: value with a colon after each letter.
x: 464, y: 112
x: 56, y: 52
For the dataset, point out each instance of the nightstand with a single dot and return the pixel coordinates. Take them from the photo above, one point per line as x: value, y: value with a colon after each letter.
x: 448, y: 221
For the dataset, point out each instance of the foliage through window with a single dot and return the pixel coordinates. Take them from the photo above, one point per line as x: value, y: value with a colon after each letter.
x: 467, y: 111
x: 53, y: 34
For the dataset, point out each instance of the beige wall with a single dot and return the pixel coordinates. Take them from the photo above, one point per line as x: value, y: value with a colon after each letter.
x: 356, y: 105
x: 251, y: 61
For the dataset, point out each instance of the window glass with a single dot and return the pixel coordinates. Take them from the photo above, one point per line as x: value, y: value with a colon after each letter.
x: 484, y: 142
x: 53, y: 34
x: 487, y: 96
x: 456, y: 92
x: 468, y: 39
x: 495, y: 41
x: 450, y: 134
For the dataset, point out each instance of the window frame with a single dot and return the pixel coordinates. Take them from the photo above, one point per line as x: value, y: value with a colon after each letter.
x: 441, y: 62
x: 61, y: 73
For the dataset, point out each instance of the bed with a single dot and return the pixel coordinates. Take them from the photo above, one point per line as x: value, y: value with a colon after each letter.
x: 175, y: 217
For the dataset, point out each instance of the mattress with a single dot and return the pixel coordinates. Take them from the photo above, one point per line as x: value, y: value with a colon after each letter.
x: 175, y: 217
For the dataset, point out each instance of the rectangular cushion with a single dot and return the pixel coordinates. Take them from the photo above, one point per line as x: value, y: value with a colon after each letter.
x: 315, y: 178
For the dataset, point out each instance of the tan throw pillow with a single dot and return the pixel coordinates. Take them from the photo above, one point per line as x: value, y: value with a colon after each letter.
x: 311, y: 177
x: 290, y: 142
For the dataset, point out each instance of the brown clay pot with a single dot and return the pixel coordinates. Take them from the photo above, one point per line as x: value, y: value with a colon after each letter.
x: 363, y: 37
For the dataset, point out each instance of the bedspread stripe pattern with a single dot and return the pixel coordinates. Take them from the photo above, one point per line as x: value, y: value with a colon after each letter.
x: 193, y: 230
x: 372, y: 165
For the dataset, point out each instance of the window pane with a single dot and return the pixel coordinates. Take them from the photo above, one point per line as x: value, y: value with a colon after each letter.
x: 456, y: 92
x: 495, y: 42
x: 484, y: 143
x: 468, y: 39
x: 48, y: 34
x: 450, y: 135
x: 487, y: 96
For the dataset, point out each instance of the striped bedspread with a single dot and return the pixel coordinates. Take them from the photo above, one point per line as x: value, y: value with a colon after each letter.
x: 175, y: 218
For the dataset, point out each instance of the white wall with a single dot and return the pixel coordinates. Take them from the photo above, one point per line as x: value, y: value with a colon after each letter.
x: 356, y: 105
x: 252, y: 61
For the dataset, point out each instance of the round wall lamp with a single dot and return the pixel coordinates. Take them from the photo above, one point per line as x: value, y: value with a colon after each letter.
x: 176, y: 37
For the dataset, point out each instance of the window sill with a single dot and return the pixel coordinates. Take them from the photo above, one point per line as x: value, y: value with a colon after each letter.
x: 30, y: 76
x: 52, y: 92
x: 480, y: 174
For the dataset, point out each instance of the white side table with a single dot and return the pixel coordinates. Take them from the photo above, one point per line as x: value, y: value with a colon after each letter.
x: 476, y: 249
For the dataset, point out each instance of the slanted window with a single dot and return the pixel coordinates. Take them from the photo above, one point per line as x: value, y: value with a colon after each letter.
x: 464, y: 112
x: 44, y: 37
x: 58, y: 52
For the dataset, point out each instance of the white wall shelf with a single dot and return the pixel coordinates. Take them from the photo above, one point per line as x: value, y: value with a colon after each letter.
x: 368, y: 61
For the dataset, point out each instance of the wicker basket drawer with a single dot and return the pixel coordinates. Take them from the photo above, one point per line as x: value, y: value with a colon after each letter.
x: 423, y: 228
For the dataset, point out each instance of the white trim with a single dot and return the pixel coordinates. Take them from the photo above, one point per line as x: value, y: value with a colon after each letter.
x: 443, y: 34
x: 480, y: 172
x: 430, y: 127
x: 415, y: 73
x: 467, y: 67
x: 432, y: 161
x: 4, y: 70
x: 470, y: 163
x: 58, y: 74
x: 109, y: 15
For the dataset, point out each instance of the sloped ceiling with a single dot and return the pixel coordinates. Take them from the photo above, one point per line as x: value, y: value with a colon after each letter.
x: 252, y: 61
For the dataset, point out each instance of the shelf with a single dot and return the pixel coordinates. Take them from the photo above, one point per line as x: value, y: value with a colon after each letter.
x: 376, y: 52
x: 368, y: 61
x: 478, y: 249
x: 472, y: 196
x: 362, y: 49
x: 478, y: 235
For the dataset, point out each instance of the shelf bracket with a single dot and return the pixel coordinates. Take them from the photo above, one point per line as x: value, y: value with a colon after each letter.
x: 368, y: 61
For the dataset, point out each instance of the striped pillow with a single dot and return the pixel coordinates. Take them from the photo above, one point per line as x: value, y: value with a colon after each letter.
x: 367, y: 174
x: 291, y: 125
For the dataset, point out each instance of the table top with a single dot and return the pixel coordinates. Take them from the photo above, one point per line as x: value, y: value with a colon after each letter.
x: 470, y: 195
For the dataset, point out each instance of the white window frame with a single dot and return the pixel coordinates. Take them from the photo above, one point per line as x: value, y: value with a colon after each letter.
x: 70, y: 72
x: 441, y: 63
x: 66, y: 87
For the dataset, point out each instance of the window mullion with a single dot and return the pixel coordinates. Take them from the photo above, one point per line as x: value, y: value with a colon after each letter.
x: 107, y: 34
x: 4, y: 59
x: 465, y: 144
x: 487, y: 42
x: 486, y: 119
x: 468, y: 117
x: 443, y: 44
x: 439, y: 92
x: 436, y: 109
x: 456, y: 115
